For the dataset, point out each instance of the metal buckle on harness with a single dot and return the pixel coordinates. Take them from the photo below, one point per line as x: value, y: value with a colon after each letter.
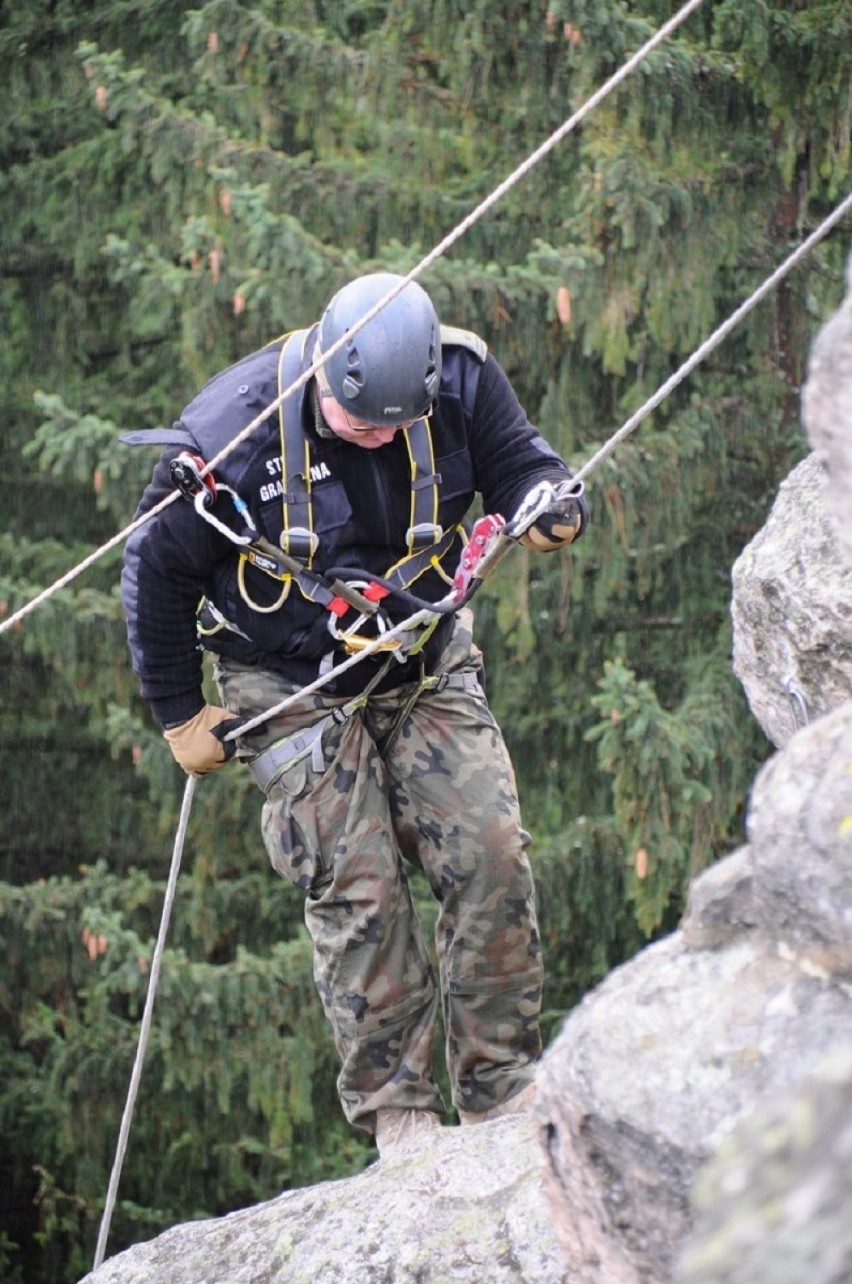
x: 299, y: 542
x: 423, y: 535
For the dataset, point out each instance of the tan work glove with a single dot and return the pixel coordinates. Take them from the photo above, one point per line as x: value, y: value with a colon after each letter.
x: 197, y: 744
x: 558, y: 534
x: 560, y: 525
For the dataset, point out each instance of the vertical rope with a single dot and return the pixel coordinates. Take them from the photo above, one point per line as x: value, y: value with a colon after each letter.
x: 147, y: 1016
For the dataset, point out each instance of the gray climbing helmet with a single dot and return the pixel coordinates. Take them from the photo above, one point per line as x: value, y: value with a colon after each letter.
x: 389, y: 372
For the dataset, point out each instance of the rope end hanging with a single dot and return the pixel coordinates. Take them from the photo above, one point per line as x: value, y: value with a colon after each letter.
x: 147, y: 1017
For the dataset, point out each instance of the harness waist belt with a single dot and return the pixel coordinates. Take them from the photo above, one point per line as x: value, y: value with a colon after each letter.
x: 268, y: 766
x: 272, y: 762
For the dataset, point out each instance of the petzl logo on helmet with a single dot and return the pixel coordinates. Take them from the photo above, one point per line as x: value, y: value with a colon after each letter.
x: 391, y: 410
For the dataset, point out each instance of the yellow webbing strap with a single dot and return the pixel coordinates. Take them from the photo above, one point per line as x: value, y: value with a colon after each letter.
x: 297, y: 537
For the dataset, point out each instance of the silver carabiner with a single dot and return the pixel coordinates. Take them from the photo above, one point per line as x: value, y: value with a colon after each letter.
x: 200, y: 502
x: 344, y: 635
x: 543, y: 497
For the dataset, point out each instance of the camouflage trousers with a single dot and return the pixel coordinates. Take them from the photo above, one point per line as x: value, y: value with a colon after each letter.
x: 342, y: 819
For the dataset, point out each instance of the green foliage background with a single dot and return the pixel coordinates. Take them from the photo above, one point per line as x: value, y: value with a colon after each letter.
x: 178, y: 185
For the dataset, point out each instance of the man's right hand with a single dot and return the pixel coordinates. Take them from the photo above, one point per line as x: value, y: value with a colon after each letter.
x: 197, y: 746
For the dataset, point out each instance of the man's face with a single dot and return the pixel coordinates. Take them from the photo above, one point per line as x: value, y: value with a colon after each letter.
x: 343, y: 425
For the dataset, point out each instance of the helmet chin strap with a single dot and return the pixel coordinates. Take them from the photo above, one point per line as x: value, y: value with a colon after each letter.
x: 320, y: 391
x: 323, y: 386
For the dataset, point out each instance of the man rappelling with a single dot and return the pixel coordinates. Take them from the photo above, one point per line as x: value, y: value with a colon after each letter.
x: 306, y: 545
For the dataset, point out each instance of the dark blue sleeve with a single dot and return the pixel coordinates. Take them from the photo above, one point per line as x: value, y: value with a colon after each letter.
x: 167, y: 570
x: 510, y: 454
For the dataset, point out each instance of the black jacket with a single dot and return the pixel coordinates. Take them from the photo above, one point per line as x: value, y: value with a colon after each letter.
x: 483, y: 443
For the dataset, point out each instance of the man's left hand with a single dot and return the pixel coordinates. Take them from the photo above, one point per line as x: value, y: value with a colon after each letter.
x: 561, y: 524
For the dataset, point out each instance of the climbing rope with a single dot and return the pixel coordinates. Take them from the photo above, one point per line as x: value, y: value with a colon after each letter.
x: 147, y: 1017
x: 441, y: 248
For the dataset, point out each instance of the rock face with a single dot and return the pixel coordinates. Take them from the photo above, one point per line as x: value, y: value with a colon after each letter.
x: 773, y: 1206
x: 694, y: 1121
x: 467, y: 1207
x: 791, y: 609
x: 792, y: 603
x: 675, y: 1050
x: 825, y: 412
